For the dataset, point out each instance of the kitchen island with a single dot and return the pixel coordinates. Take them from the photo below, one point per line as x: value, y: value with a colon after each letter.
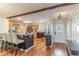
x: 28, y: 40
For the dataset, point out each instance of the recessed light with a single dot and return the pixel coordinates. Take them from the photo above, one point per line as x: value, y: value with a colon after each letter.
x: 18, y: 18
x: 43, y: 21
x: 27, y: 21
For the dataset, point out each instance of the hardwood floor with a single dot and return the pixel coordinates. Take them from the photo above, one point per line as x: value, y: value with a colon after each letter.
x: 61, y: 46
x: 39, y: 49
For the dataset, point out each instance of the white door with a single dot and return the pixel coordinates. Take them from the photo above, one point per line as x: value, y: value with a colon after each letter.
x: 59, y: 29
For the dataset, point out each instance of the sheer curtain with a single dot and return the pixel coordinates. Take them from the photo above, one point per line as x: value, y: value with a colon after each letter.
x: 69, y: 30
x: 73, y: 28
x: 75, y: 32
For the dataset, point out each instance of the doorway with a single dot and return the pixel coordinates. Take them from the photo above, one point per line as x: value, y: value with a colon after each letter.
x: 59, y: 29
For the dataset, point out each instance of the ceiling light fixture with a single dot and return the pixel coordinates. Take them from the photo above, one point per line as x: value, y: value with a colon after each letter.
x: 60, y: 15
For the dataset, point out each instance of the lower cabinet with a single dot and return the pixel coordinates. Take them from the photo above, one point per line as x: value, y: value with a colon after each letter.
x: 28, y: 41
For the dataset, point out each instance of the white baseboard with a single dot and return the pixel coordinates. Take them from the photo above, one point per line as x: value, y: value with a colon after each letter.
x: 27, y: 49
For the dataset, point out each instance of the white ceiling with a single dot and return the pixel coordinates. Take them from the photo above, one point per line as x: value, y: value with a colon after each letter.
x: 45, y: 15
x: 11, y: 9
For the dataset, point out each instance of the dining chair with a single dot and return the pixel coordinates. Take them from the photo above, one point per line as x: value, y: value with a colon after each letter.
x: 0, y: 42
x: 4, y: 41
x: 9, y: 42
x: 16, y: 41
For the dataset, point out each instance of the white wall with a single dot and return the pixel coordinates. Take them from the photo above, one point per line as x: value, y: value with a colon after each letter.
x: 4, y: 25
